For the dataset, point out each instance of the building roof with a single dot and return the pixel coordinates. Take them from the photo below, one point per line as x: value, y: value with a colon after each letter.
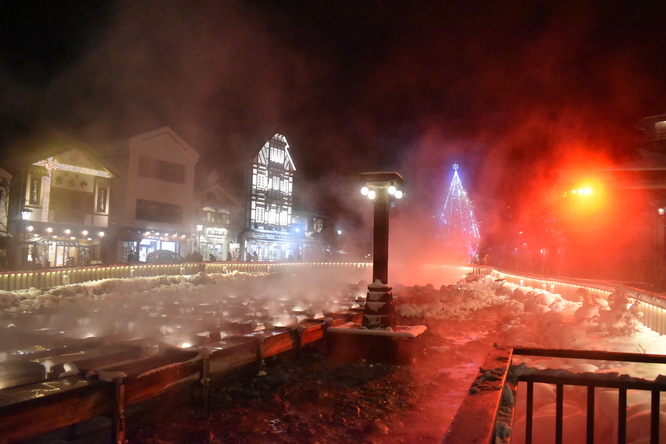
x: 49, y: 144
x: 648, y: 161
x: 643, y: 123
x: 221, y: 197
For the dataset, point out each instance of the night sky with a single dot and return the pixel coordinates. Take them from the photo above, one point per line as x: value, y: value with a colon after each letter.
x: 511, y: 91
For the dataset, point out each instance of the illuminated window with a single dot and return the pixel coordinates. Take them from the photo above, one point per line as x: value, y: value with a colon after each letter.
x: 260, y: 215
x: 262, y: 181
x: 284, y: 218
x: 660, y: 127
x: 272, y: 216
x: 277, y: 154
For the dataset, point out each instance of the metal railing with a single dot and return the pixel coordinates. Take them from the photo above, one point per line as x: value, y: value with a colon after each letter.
x: 492, y: 409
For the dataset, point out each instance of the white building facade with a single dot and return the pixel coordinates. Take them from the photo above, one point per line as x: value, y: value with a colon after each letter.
x: 154, y: 208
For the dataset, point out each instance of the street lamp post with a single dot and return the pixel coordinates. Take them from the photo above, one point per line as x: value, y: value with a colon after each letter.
x: 377, y: 338
x: 380, y: 186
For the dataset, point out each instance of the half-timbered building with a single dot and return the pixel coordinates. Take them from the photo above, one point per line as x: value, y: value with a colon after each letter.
x: 268, y: 212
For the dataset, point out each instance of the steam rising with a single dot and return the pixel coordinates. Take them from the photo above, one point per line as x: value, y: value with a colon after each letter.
x: 512, y: 94
x: 174, y: 309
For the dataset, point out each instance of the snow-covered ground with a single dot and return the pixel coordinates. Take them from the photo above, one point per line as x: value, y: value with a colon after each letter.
x: 180, y: 309
x: 536, y: 318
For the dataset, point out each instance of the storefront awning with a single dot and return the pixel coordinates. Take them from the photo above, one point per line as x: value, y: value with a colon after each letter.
x: 39, y: 240
x: 43, y: 240
x: 133, y: 234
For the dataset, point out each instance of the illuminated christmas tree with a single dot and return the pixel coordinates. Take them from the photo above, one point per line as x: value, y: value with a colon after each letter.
x: 457, y: 225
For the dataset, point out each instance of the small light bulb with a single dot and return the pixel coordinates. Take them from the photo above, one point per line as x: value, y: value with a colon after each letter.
x: 365, y: 191
x: 398, y: 194
x: 391, y: 190
x: 371, y: 194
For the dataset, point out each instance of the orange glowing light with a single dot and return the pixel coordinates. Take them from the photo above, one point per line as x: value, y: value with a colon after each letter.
x: 586, y: 203
x: 584, y: 191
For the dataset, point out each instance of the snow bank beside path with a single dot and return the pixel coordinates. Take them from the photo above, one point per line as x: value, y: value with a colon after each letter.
x: 537, y: 318
x: 532, y: 317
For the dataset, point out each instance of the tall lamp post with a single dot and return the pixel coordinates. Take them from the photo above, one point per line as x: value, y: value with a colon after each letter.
x: 380, y: 186
x: 377, y: 338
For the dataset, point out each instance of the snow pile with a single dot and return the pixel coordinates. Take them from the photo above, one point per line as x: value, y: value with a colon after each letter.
x: 64, y: 295
x: 532, y: 317
x: 450, y: 301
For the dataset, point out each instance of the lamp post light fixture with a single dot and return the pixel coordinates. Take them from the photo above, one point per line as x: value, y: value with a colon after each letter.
x: 25, y: 213
x: 380, y: 186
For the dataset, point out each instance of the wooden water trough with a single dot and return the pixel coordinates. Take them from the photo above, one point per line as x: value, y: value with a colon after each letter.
x: 104, y: 384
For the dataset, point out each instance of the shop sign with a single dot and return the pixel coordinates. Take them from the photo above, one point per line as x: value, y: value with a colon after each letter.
x: 267, y: 236
x: 212, y: 231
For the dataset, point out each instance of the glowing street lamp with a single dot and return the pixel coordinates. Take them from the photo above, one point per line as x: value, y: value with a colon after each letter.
x: 380, y: 186
x: 378, y: 338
